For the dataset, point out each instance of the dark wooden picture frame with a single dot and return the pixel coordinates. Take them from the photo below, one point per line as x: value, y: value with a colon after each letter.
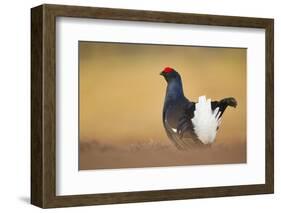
x: 43, y: 105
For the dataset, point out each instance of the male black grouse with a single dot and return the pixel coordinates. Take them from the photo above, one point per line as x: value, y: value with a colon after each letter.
x: 189, y: 124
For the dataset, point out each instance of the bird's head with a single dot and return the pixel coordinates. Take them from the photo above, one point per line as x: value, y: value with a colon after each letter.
x: 169, y: 74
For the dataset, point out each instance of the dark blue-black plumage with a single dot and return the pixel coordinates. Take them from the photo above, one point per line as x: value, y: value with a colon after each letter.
x: 178, y: 111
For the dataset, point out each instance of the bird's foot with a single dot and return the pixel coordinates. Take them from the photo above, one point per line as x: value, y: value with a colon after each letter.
x: 229, y: 101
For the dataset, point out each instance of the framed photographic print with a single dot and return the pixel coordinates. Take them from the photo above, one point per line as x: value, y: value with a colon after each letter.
x: 136, y: 106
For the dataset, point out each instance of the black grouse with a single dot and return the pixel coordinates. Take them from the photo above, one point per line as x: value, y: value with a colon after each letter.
x: 189, y: 124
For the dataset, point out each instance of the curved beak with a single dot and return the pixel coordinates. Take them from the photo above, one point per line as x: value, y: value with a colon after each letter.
x: 161, y: 73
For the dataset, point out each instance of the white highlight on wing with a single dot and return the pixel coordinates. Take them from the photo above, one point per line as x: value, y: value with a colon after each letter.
x: 174, y: 130
x: 205, y: 120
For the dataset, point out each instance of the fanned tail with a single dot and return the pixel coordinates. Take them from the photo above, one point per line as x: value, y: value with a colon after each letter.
x: 206, y: 121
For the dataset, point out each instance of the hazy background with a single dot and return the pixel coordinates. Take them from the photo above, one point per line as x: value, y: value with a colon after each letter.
x: 121, y: 100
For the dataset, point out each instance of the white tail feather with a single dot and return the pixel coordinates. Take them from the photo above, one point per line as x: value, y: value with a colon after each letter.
x: 205, y: 120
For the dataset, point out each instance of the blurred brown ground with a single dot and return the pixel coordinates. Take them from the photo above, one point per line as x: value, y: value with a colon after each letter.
x: 96, y: 156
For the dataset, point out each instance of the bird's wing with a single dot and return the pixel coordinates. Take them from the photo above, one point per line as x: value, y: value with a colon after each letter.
x: 185, y: 120
x: 172, y: 130
x: 180, y: 131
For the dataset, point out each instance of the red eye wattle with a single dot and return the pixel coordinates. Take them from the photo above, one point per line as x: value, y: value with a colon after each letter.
x: 168, y: 69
